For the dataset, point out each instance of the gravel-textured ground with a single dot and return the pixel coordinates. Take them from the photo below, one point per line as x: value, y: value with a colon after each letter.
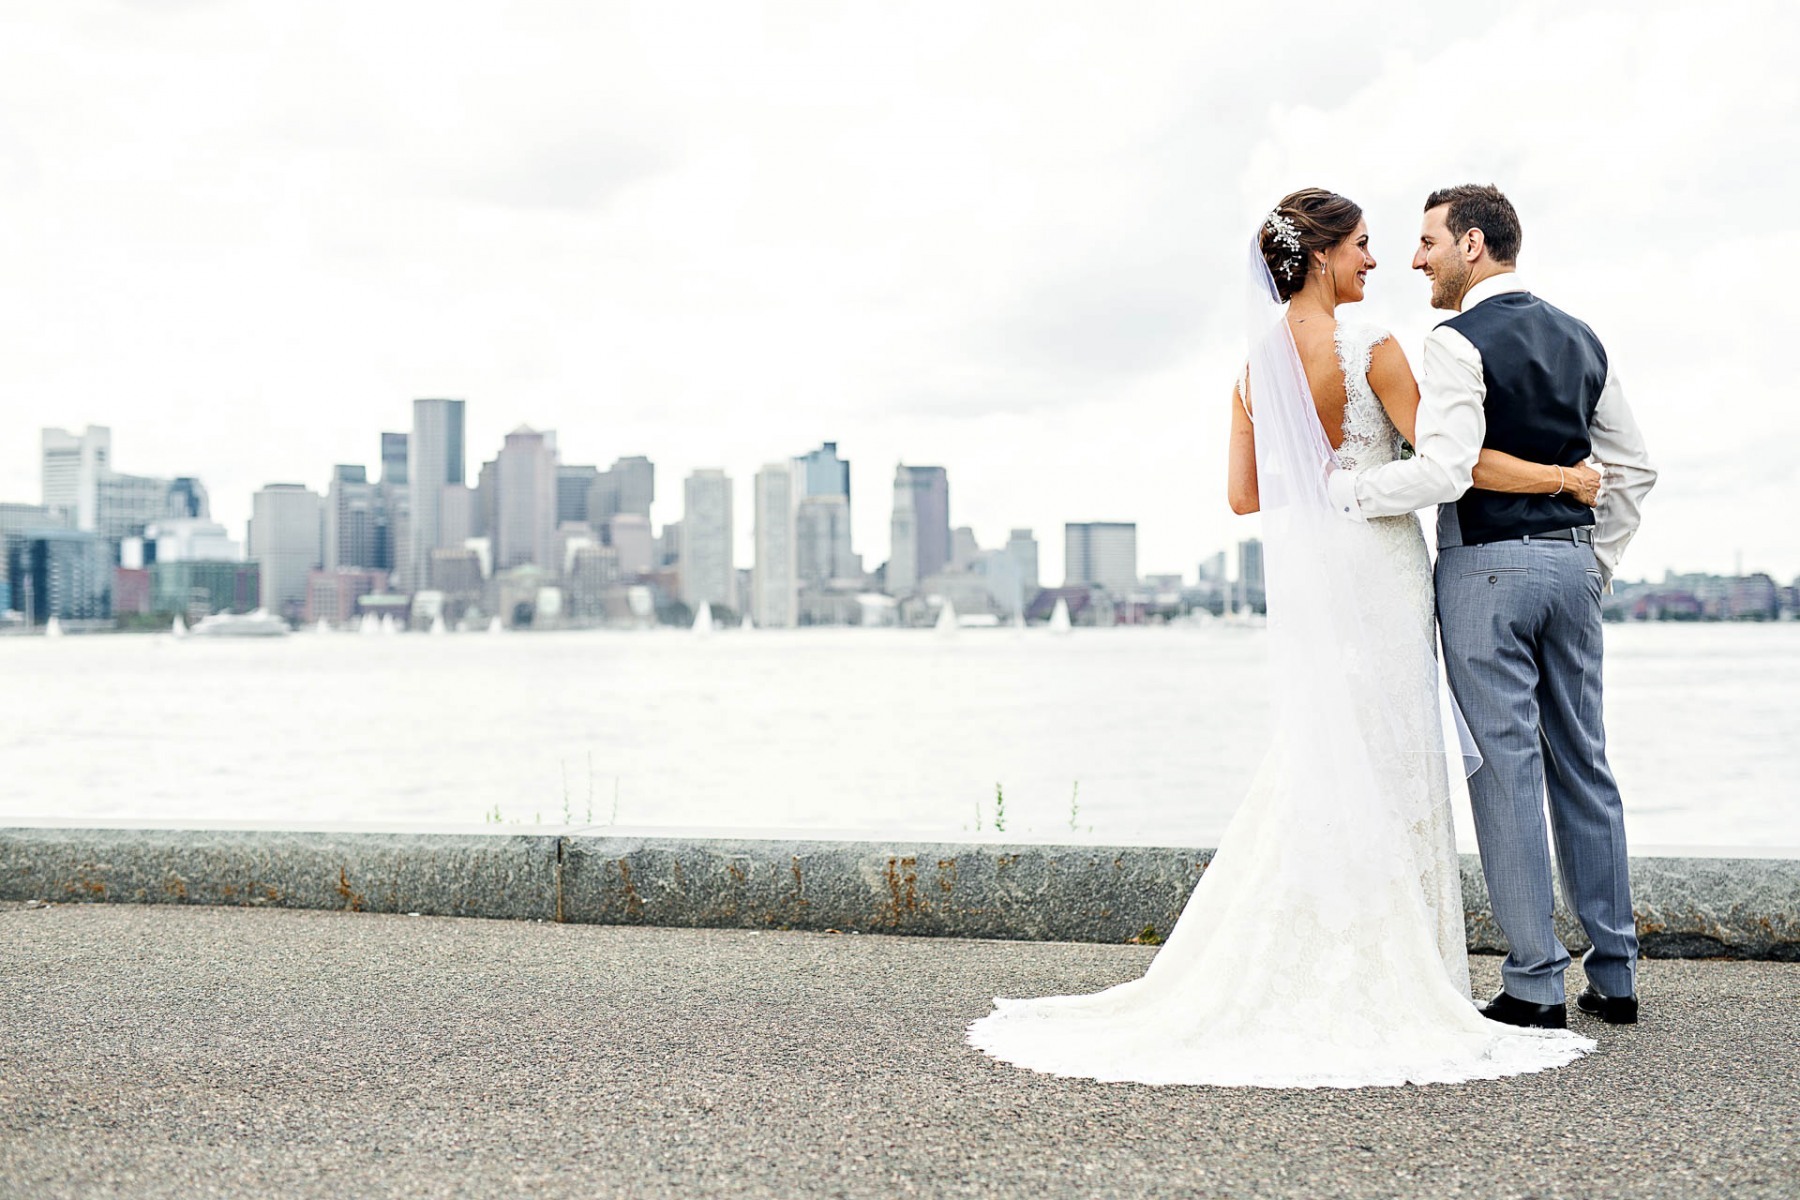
x: 230, y: 1052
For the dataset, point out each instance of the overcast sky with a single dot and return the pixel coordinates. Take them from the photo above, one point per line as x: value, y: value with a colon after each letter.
x: 1004, y: 239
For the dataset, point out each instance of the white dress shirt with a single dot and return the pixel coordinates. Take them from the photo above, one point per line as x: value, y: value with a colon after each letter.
x: 1452, y: 424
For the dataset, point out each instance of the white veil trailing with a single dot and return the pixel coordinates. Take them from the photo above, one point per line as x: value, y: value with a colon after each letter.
x: 1333, y: 610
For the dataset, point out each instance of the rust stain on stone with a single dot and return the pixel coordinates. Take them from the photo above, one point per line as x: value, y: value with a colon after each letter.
x: 353, y: 900
x: 903, y: 891
x: 634, y: 903
x: 946, y: 874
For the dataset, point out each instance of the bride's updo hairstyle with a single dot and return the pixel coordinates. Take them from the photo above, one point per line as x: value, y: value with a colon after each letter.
x: 1309, y: 220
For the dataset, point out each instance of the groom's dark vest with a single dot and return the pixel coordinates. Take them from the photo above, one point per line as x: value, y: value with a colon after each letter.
x: 1545, y: 371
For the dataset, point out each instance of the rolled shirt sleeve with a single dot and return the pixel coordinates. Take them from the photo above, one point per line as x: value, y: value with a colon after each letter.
x: 1627, y: 476
x: 1451, y: 425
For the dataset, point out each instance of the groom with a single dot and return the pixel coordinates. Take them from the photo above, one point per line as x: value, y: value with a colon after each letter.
x: 1519, y: 579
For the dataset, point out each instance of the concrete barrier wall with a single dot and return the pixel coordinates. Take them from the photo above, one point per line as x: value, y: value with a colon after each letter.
x: 1686, y: 906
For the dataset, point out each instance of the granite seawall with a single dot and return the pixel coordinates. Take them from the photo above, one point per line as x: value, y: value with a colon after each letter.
x: 1687, y: 906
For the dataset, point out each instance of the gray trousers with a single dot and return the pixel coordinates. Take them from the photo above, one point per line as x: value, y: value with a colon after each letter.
x: 1520, y: 621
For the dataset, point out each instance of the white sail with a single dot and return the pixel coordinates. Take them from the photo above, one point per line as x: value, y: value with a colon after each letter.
x: 387, y: 624
x: 322, y: 626
x: 1059, y: 619
x: 53, y: 628
x: 178, y: 627
x: 946, y: 622
x: 437, y: 625
x: 494, y: 626
x: 703, y: 620
x: 747, y: 623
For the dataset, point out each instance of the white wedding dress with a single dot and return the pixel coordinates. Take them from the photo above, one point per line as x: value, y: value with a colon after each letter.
x: 1324, y: 944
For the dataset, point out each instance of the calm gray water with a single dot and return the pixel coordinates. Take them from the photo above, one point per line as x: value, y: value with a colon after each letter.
x: 839, y: 729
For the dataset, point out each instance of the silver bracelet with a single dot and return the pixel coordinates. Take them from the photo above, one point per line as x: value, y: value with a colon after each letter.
x: 1562, y: 481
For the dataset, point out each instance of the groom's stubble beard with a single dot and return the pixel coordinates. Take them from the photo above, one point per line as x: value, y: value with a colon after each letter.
x: 1449, y: 283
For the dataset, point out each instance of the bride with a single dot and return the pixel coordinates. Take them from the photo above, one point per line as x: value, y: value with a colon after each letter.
x: 1324, y: 945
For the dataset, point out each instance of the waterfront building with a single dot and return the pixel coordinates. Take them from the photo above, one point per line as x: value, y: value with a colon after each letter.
x: 574, y: 484
x: 963, y: 548
x: 708, y: 531
x: 1250, y: 594
x: 197, y: 588
x: 434, y: 458
x: 189, y: 539
x: 287, y: 536
x: 1101, y: 554
x: 61, y: 573
x: 332, y: 595
x: 822, y: 541
x: 457, y: 571
x: 774, y: 588
x: 592, y: 577
x: 16, y: 520
x: 72, y: 465
x: 525, y: 502
x: 629, y: 535
x: 131, y: 591
x: 1022, y: 548
x: 919, y: 528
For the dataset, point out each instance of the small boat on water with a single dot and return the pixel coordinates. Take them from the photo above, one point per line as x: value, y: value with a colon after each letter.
x: 946, y: 622
x: 703, y: 620
x: 53, y: 628
x: 1059, y: 617
x: 178, y: 627
x: 260, y: 623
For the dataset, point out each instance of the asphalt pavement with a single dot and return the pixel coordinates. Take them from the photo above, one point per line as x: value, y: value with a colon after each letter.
x: 195, y: 1052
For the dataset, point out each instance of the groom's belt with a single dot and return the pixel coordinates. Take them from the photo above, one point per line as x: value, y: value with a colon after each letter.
x: 1577, y: 533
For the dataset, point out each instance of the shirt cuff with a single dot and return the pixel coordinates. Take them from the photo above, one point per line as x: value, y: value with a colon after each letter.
x: 1340, y: 487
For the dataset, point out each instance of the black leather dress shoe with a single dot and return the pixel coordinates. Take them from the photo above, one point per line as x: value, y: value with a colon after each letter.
x: 1510, y: 1010
x: 1614, y: 1010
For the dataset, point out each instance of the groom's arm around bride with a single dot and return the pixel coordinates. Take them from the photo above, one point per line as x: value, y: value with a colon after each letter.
x: 1453, y: 422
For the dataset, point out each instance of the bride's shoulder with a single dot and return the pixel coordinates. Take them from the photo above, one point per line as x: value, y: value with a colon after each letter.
x: 1356, y: 343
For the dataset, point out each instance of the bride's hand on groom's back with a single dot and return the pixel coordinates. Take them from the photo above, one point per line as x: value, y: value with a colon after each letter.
x: 1584, y: 483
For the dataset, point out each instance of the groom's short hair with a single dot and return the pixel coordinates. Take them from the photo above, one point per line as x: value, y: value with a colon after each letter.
x: 1483, y: 207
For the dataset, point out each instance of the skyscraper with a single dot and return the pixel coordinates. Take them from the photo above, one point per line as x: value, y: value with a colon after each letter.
x: 1250, y: 593
x: 352, y: 519
x: 72, y: 466
x: 525, y: 507
x: 574, y: 484
x: 61, y: 573
x: 920, y: 527
x: 822, y: 540
x: 434, y: 457
x: 823, y: 473
x: 285, y: 535
x: 628, y: 486
x: 708, y: 572
x: 1101, y: 553
x: 393, y: 457
x: 774, y: 587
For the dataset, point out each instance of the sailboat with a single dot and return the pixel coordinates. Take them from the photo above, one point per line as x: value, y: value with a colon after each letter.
x: 178, y: 627
x: 438, y: 627
x: 387, y: 625
x: 494, y: 625
x: 322, y: 626
x: 703, y: 620
x: 53, y: 628
x: 747, y: 622
x: 368, y: 626
x: 1059, y: 619
x: 946, y: 622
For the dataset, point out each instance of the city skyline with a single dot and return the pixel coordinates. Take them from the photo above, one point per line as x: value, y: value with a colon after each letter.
x: 1007, y: 242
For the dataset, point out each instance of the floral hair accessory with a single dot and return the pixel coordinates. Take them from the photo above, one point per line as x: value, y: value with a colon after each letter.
x: 1287, y: 236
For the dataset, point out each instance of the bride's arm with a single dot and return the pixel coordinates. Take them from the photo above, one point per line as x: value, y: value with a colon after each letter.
x: 1240, y: 480
x: 1390, y: 375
